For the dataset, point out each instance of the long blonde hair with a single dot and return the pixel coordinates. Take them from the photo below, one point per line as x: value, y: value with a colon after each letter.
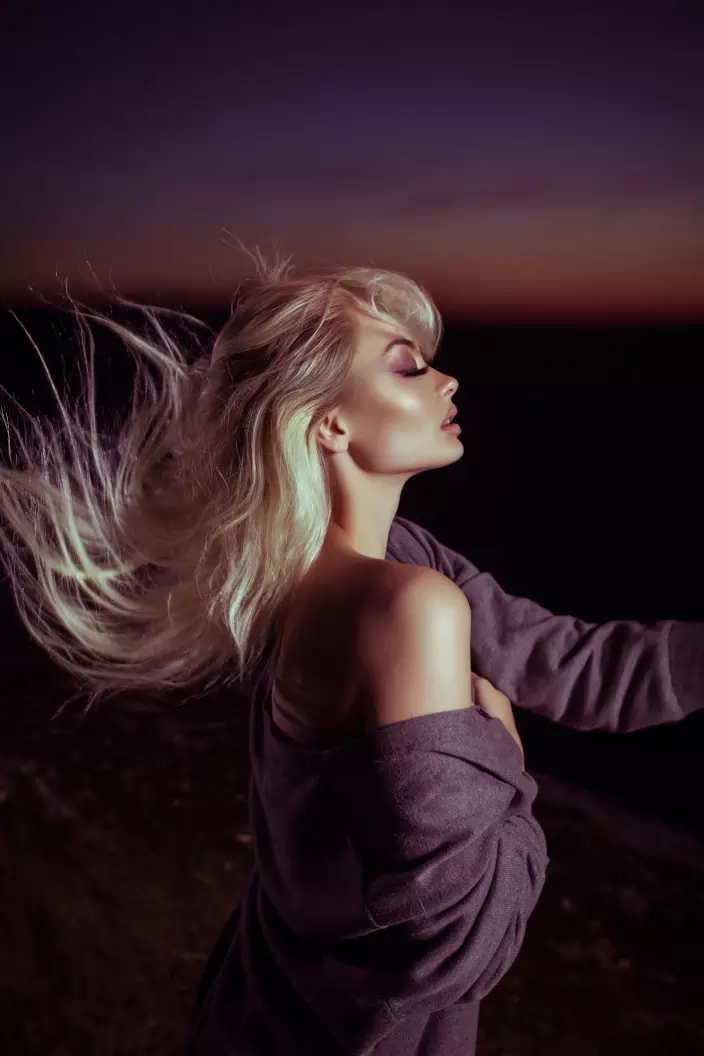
x: 163, y: 553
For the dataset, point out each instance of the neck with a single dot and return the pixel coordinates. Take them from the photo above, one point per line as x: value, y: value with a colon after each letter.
x: 355, y: 539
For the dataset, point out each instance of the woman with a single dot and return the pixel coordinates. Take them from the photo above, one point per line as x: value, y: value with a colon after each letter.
x: 238, y: 523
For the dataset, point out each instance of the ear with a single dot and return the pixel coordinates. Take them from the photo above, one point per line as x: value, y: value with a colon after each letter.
x: 332, y: 433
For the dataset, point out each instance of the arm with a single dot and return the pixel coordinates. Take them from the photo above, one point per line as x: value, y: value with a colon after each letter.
x: 617, y: 676
x: 438, y: 811
x: 451, y: 859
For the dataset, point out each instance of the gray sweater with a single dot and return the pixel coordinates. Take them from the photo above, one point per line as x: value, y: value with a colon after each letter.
x: 395, y: 873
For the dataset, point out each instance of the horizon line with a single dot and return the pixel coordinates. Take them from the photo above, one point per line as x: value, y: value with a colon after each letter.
x: 11, y: 297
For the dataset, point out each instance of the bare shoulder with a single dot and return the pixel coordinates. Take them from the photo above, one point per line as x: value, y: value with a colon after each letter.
x: 414, y: 646
x: 403, y: 589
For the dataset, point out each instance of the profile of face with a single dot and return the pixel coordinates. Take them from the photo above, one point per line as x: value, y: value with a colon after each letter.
x: 389, y: 422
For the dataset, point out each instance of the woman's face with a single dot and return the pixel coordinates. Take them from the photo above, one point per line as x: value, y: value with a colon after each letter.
x: 391, y: 416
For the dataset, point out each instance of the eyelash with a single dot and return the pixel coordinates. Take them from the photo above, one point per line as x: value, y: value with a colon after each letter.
x: 414, y: 373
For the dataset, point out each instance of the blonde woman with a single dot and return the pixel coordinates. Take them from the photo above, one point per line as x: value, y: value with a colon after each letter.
x: 241, y: 527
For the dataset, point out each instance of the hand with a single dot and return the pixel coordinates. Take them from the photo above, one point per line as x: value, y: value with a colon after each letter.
x: 498, y: 706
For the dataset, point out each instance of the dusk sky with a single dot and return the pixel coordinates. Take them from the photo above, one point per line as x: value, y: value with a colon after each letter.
x: 529, y: 158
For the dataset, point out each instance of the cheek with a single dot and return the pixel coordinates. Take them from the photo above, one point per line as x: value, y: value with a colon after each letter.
x: 385, y: 434
x: 401, y: 427
x: 401, y: 419
x: 406, y: 403
x: 391, y: 418
x: 411, y: 413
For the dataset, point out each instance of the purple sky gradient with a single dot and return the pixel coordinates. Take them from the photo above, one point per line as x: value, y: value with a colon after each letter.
x: 534, y: 158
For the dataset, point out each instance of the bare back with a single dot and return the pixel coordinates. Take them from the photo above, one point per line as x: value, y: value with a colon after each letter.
x: 317, y: 670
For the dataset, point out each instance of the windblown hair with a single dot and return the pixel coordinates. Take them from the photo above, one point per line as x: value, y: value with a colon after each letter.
x: 163, y: 553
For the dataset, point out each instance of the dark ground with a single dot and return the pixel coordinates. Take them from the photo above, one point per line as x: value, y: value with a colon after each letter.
x: 123, y: 846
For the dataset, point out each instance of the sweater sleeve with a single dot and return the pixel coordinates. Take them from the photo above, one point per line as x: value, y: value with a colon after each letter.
x: 617, y: 676
x: 451, y: 859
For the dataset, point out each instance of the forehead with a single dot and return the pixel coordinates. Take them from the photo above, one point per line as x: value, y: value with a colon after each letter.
x: 373, y: 335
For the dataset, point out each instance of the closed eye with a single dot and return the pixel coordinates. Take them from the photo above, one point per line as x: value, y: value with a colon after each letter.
x: 414, y: 373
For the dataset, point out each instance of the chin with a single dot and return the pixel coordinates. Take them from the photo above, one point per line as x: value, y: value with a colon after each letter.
x: 456, y: 453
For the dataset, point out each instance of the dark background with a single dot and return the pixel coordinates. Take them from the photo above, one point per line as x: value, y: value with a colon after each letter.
x: 580, y: 487
x: 125, y: 833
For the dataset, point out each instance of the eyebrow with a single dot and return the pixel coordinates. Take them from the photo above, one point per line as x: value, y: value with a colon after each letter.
x: 400, y: 341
